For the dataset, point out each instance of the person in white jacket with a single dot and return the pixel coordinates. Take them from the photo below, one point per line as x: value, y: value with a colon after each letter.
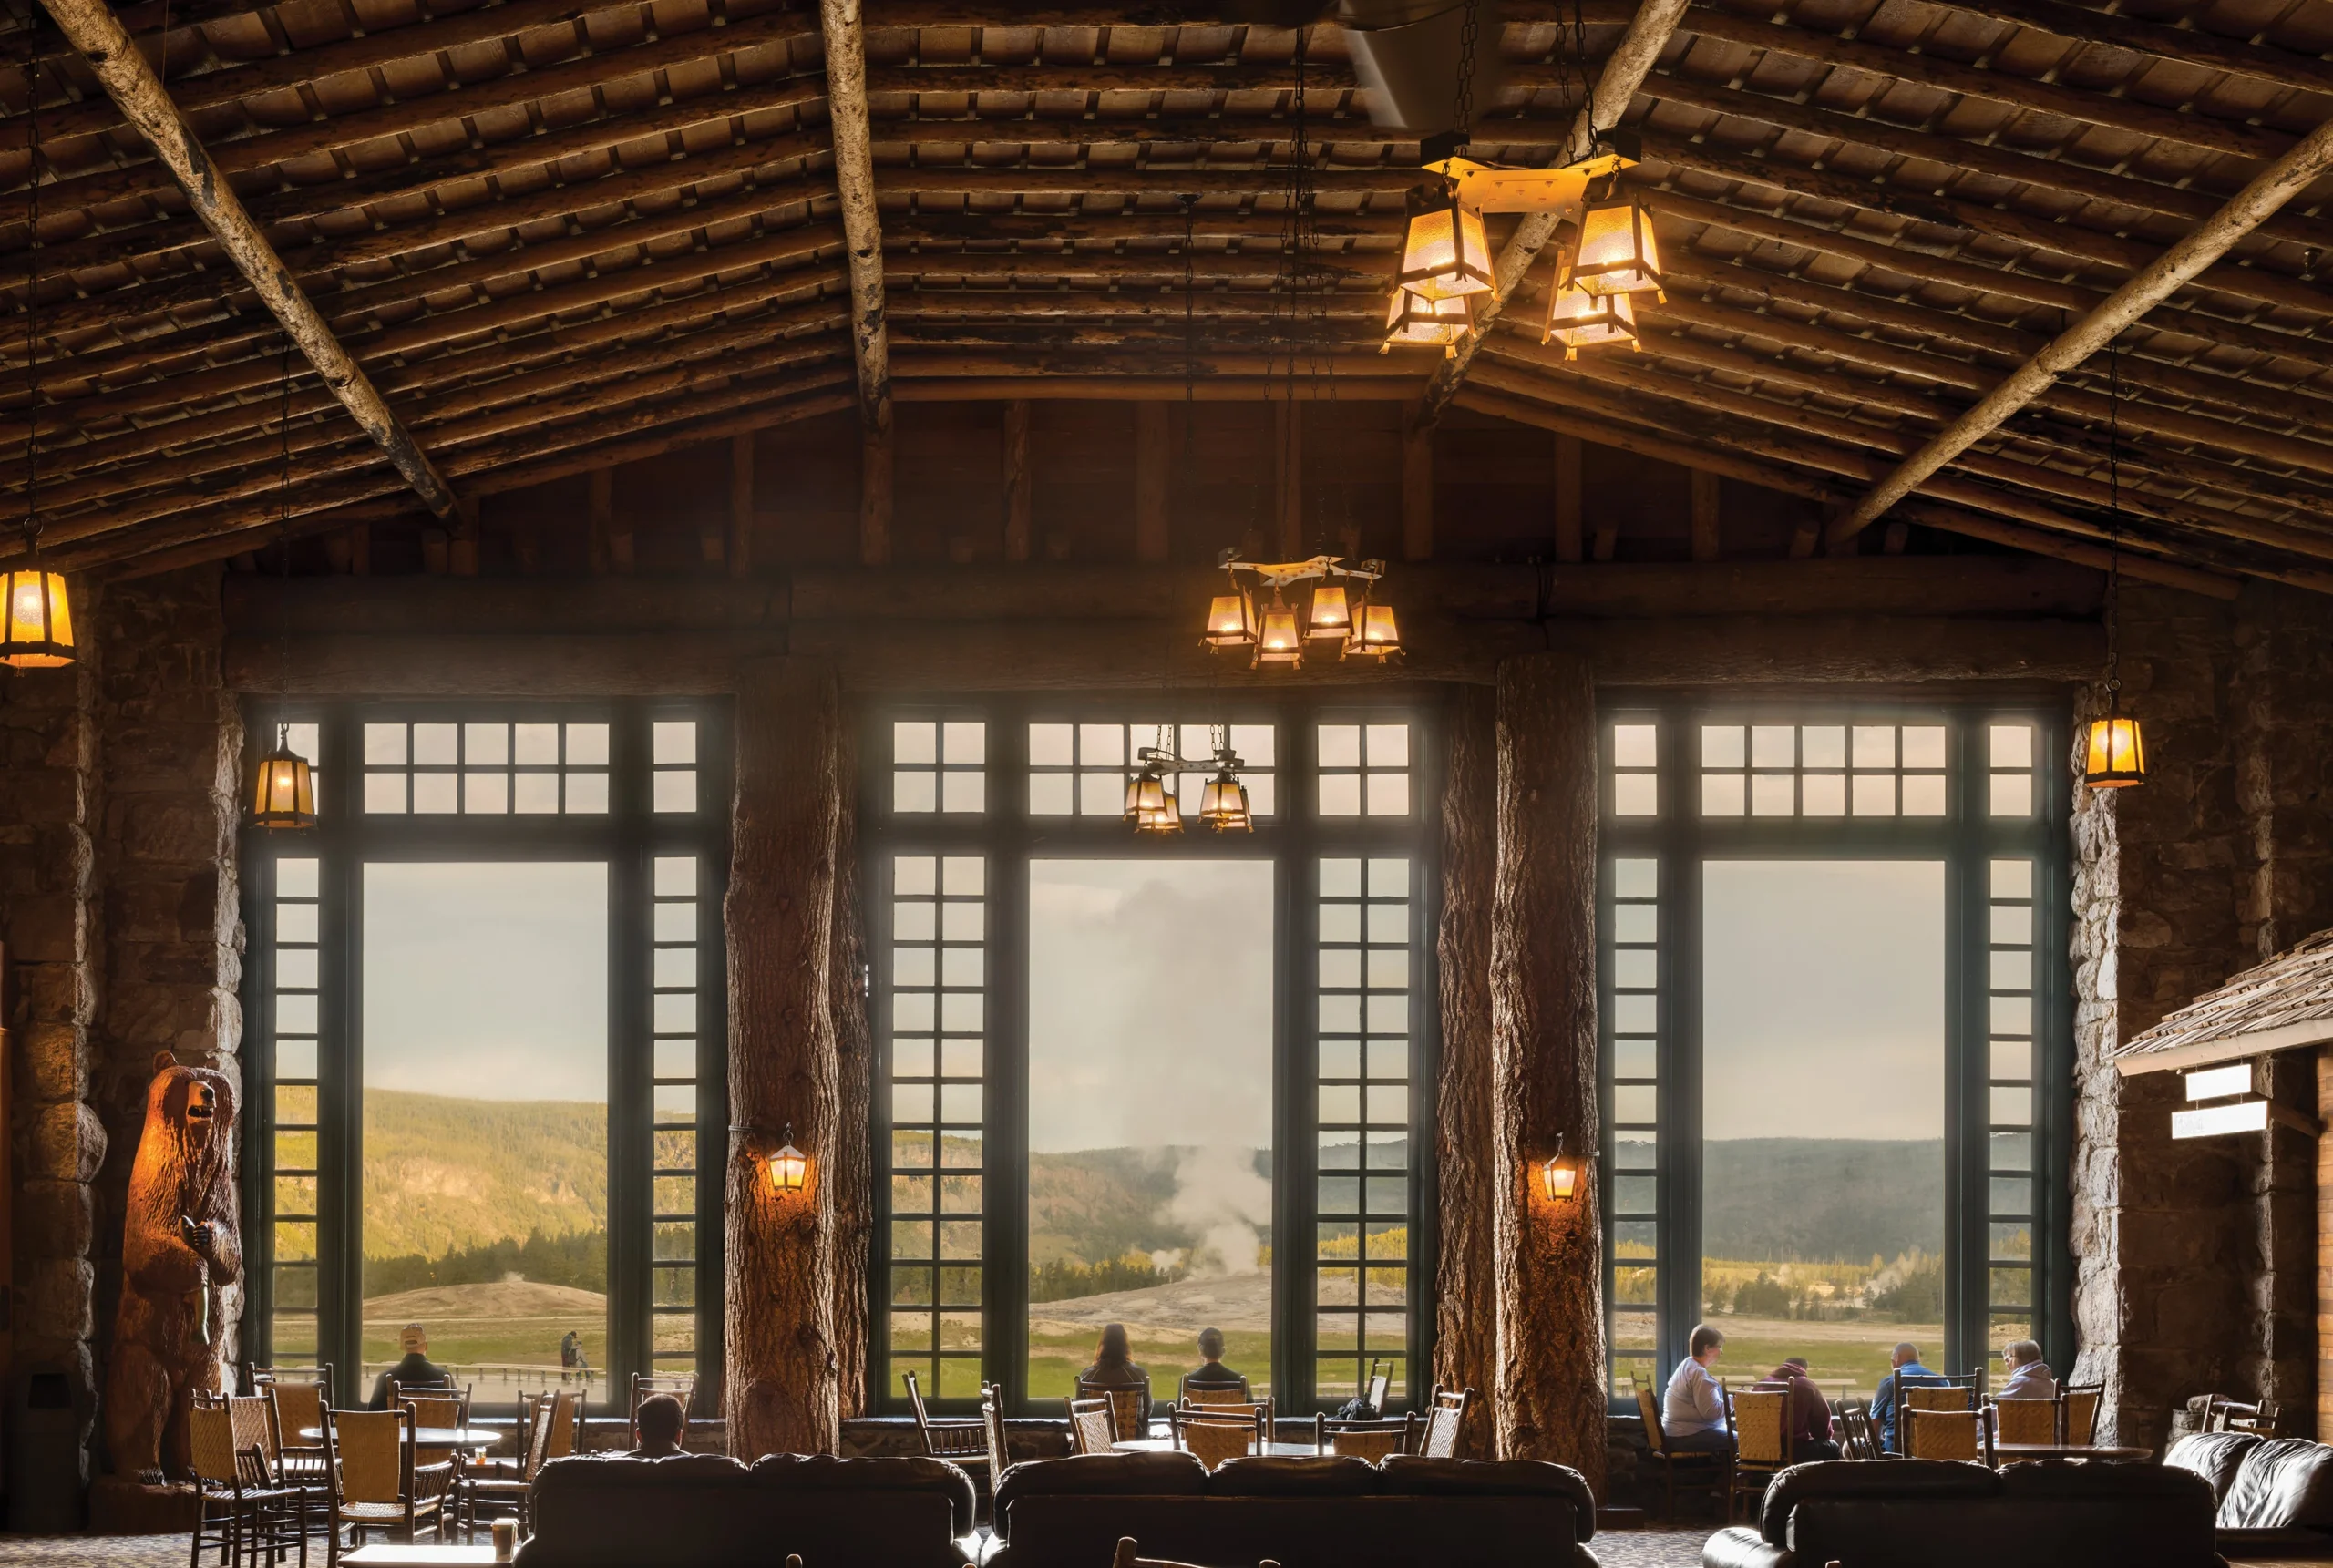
x: 2028, y: 1376
x: 1692, y: 1410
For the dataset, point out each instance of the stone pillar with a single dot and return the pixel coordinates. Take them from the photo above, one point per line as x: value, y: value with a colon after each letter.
x: 49, y: 795
x: 1465, y: 1329
x: 172, y: 958
x: 783, y: 1367
x: 1548, y: 1394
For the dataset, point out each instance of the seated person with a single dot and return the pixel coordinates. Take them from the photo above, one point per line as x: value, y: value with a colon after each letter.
x: 659, y: 1421
x: 1692, y: 1410
x: 1810, y: 1412
x: 415, y: 1371
x: 1905, y: 1359
x: 1114, y: 1367
x: 2029, y: 1376
x: 1211, y: 1373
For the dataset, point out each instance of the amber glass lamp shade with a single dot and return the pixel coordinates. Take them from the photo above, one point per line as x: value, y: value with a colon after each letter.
x: 1230, y: 622
x: 1618, y: 253
x: 284, y: 794
x: 1418, y: 322
x: 1560, y: 1179
x: 789, y: 1167
x: 1331, y: 611
x: 39, y: 633
x: 1376, y: 635
x: 1282, y: 641
x: 1145, y: 795
x: 1577, y: 320
x: 1445, y: 252
x: 2116, y: 757
x: 1223, y: 806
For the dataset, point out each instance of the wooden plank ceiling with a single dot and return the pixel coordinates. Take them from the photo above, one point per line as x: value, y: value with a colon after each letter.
x: 560, y: 234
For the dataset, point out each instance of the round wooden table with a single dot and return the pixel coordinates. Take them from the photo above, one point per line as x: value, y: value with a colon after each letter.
x: 1166, y: 1445
x: 477, y: 1438
x: 2017, y: 1453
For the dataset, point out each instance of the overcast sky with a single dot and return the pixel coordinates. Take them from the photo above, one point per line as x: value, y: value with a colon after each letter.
x: 486, y: 981
x: 1823, y: 998
x: 1150, y: 1005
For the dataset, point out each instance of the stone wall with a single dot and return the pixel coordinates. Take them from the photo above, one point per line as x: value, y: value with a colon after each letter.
x: 117, y: 815
x: 2195, y: 1262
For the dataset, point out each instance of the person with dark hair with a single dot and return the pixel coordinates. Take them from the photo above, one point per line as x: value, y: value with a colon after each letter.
x: 659, y: 1422
x: 1211, y: 1373
x: 1692, y: 1410
x: 1113, y: 1367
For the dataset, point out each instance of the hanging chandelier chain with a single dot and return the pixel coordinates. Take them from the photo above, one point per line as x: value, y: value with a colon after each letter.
x: 2113, y: 519
x: 1463, y: 112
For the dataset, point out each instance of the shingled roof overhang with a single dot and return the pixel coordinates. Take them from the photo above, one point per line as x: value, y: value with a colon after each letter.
x: 2283, y: 1004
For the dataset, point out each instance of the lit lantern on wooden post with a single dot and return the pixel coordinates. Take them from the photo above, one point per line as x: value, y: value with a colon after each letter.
x: 1559, y: 1177
x: 1445, y: 252
x: 39, y: 633
x: 789, y: 1167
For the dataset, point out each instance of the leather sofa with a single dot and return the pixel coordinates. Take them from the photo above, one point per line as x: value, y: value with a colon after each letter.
x: 707, y: 1511
x: 2274, y: 1495
x: 1940, y: 1513
x: 1332, y: 1512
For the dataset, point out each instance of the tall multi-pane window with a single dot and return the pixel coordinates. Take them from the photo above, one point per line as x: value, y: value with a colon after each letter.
x: 1834, y: 1035
x: 486, y: 1044
x: 1167, y: 1083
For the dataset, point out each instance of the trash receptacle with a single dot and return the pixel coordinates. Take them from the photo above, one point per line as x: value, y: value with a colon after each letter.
x: 43, y: 1457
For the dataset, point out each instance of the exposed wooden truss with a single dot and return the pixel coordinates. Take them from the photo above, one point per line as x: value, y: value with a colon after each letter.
x: 556, y: 232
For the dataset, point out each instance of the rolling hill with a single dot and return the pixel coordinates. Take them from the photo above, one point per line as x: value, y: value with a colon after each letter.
x: 444, y: 1175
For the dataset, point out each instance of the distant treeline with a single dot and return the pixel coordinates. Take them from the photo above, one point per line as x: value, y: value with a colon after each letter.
x: 1065, y: 1280
x: 579, y: 1258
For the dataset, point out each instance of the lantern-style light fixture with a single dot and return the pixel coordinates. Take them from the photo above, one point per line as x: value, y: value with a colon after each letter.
x: 1223, y: 804
x: 2115, y: 756
x: 1577, y: 320
x: 1559, y: 1176
x: 36, y: 622
x: 789, y: 1167
x: 38, y: 634
x: 1445, y: 252
x: 1231, y: 620
x: 1151, y: 808
x: 1376, y: 634
x: 1331, y: 612
x: 1340, y: 610
x: 1411, y: 319
x: 1280, y: 641
x: 1618, y: 253
x: 284, y: 794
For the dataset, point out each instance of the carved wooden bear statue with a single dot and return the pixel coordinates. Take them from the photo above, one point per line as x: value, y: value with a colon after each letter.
x: 179, y: 1252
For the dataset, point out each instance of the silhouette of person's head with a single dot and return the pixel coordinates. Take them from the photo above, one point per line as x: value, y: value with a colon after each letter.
x: 660, y: 1424
x: 1113, y: 1350
x: 1211, y: 1344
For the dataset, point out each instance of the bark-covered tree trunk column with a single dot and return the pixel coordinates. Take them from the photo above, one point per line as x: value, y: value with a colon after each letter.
x: 1466, y: 1331
x: 783, y: 1367
x: 1549, y: 1397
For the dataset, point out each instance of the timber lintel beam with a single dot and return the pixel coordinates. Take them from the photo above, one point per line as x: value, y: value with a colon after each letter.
x: 1624, y: 72
x: 92, y: 29
x: 2207, y: 243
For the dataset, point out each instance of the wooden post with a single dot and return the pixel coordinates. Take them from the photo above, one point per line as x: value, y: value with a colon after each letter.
x: 1417, y: 491
x: 783, y: 1388
x: 875, y: 495
x: 1706, y: 545
x: 853, y: 1056
x: 1019, y: 480
x: 740, y: 543
x: 1570, y: 493
x: 461, y: 540
x: 1548, y: 1397
x: 1150, y: 482
x: 1465, y: 1336
x: 1288, y: 479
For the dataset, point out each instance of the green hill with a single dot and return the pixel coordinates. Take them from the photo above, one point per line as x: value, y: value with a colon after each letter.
x: 443, y: 1175
x: 1841, y: 1199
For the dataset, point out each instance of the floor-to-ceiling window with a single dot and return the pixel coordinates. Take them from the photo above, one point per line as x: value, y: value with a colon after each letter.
x: 1835, y: 1034
x: 483, y: 996
x: 1162, y: 1083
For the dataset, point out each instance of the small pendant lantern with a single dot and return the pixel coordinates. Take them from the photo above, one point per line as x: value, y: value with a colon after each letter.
x: 2114, y: 756
x: 1577, y: 320
x: 1445, y: 252
x: 1413, y: 321
x: 39, y: 631
x: 283, y: 793
x: 1618, y: 253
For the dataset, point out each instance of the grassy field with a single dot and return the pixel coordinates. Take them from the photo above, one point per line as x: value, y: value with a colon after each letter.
x: 1855, y: 1354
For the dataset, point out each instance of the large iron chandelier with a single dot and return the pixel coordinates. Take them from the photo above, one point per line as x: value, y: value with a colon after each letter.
x: 1342, y: 611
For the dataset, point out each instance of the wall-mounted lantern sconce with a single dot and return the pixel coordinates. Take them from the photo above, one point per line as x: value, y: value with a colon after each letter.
x: 789, y: 1166
x: 1559, y: 1178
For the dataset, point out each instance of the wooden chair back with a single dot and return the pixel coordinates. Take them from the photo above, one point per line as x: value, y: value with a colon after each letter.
x: 1090, y: 1426
x: 1220, y: 1394
x: 1760, y: 1418
x: 992, y: 1431
x: 567, y: 1424
x: 1370, y: 1440
x: 2025, y: 1421
x: 372, y: 1456
x: 1939, y: 1397
x: 1648, y: 1407
x: 1212, y: 1441
x: 1128, y: 1404
x: 253, y: 1417
x: 449, y: 1408
x: 299, y: 1407
x: 1379, y: 1386
x: 1946, y: 1434
x: 944, y: 1440
x: 1857, y: 1438
x: 210, y: 1445
x: 2081, y: 1401
x: 1445, y: 1419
